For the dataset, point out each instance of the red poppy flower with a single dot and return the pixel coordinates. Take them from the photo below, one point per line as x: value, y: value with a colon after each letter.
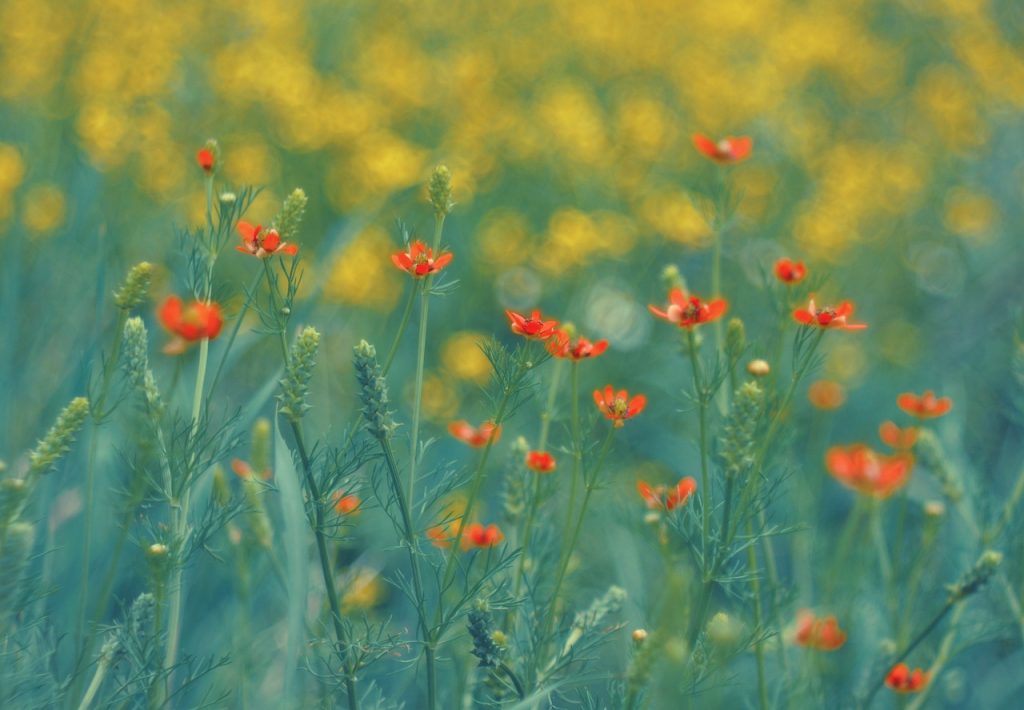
x: 790, y: 272
x: 534, y: 327
x: 262, y: 243
x: 866, y: 471
x: 829, y: 317
x: 687, y: 310
x: 663, y: 498
x: 346, y: 504
x: 903, y: 680
x: 189, y: 323
x: 728, y: 150
x: 826, y: 394
x: 205, y: 158
x: 561, y: 345
x: 540, y: 461
x: 442, y: 535
x: 925, y: 406
x: 419, y: 260
x: 617, y: 406
x: 897, y: 438
x: 820, y: 634
x: 477, y: 437
x: 479, y: 535
x: 243, y: 469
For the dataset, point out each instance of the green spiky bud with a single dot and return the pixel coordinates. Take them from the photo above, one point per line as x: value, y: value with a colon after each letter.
x: 14, y: 555
x: 441, y: 191
x: 671, y: 277
x: 58, y: 440
x: 138, y: 625
x: 373, y: 391
x: 976, y: 577
x: 740, y: 430
x: 295, y: 385
x: 135, y: 352
x: 259, y: 521
x: 135, y: 287
x: 609, y: 603
x: 485, y: 647
x: 290, y: 217
x: 260, y: 453
x: 735, y: 339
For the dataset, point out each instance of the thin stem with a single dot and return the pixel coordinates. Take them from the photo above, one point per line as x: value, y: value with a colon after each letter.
x: 705, y: 478
x: 421, y: 356
x: 97, y: 680
x: 755, y: 589
x: 234, y: 331
x: 401, y: 330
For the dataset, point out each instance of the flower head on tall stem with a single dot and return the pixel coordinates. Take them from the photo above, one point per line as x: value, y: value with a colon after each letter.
x: 533, y: 327
x: 206, y: 156
x: 478, y: 535
x: 901, y: 439
x: 688, y: 310
x: 726, y: 151
x: 821, y: 634
x: 418, y: 260
x: 617, y: 406
x: 903, y: 680
x: 790, y: 272
x: 866, y: 471
x: 665, y: 498
x: 477, y: 437
x: 561, y: 345
x: 540, y: 461
x: 262, y: 243
x: 189, y: 323
x: 828, y: 317
x: 924, y: 406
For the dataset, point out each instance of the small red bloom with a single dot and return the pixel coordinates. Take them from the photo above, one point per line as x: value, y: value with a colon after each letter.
x: 662, y: 498
x: 534, y: 327
x: 442, y: 535
x: 540, y: 461
x: 262, y: 243
x: 346, y: 503
x: 925, y: 406
x: 561, y: 345
x: 617, y: 406
x: 205, y: 158
x: 903, y: 680
x: 479, y: 535
x: 474, y: 436
x: 189, y: 323
x: 728, y: 150
x: 243, y: 469
x: 866, y: 471
x: 687, y: 310
x: 418, y: 259
x: 790, y: 272
x: 820, y: 634
x: 896, y: 438
x: 829, y: 317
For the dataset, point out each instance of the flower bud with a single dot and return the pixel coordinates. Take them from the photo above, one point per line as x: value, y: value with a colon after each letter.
x: 135, y: 287
x: 735, y: 339
x: 759, y: 368
x: 373, y: 390
x: 58, y: 440
x: 671, y: 277
x: 639, y: 636
x: 290, y: 217
x: 295, y: 385
x: 723, y: 631
x: 440, y: 189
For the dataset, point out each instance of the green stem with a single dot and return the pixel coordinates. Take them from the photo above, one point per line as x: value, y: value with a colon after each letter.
x: 707, y: 504
x: 97, y: 680
x: 234, y: 331
x: 401, y: 330
x: 755, y: 588
x: 421, y: 356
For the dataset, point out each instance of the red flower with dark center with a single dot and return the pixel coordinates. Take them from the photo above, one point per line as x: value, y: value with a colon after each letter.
x: 866, y: 471
x: 728, y: 150
x: 477, y: 437
x: 925, y: 406
x: 790, y: 272
x: 189, y: 323
x: 663, y: 498
x: 687, y: 310
x: 617, y: 406
x: 418, y: 260
x: 896, y: 438
x: 903, y: 680
x: 262, y: 243
x: 346, y: 503
x: 206, y: 159
x: 540, y: 461
x: 820, y: 634
x: 561, y: 345
x: 534, y: 327
x: 479, y: 535
x: 829, y: 317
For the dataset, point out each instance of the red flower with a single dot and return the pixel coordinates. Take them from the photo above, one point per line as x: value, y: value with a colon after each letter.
x: 418, y: 259
x: 925, y: 406
x: 866, y: 471
x: 478, y: 535
x: 206, y: 159
x: 661, y: 498
x: 561, y: 345
x: 262, y: 243
x: 346, y: 504
x: 190, y: 323
x: 903, y: 680
x: 820, y: 634
x: 897, y: 438
x: 687, y: 310
x: 790, y: 272
x: 728, y: 150
x: 442, y: 535
x: 475, y: 437
x: 534, y: 327
x: 617, y: 406
x: 829, y: 317
x: 540, y: 461
x: 243, y: 469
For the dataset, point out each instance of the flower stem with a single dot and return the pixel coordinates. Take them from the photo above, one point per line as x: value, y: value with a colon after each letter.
x: 421, y: 356
x: 755, y: 590
x: 401, y: 331
x: 705, y: 479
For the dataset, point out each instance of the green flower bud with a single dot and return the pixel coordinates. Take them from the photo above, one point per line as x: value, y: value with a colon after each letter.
x: 136, y: 286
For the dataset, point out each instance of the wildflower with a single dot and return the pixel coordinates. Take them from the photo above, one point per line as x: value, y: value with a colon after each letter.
x: 790, y: 272
x: 189, y: 323
x: 868, y: 472
x: 244, y: 470
x: 133, y: 291
x: 346, y: 503
x: 826, y: 394
x: 540, y: 461
x: 903, y: 680
x: 617, y: 406
x: 728, y: 150
x: 534, y: 327
x: 262, y: 243
x: 418, y: 259
x: 687, y: 310
x: 925, y: 406
x: 299, y: 370
x: 440, y: 190
x: 661, y: 498
x: 373, y: 391
x: 821, y: 634
x: 477, y: 437
x: 206, y: 159
x: 759, y: 367
x: 828, y: 317
x: 561, y: 345
x: 479, y: 535
x: 896, y: 438
x: 442, y: 535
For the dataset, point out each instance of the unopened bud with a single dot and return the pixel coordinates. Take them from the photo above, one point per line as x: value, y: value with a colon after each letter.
x: 672, y: 278
x: 639, y: 636
x: 440, y: 189
x: 135, y: 287
x: 735, y: 339
x: 157, y: 549
x: 759, y: 368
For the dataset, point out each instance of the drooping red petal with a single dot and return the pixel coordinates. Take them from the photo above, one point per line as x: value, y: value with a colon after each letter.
x: 170, y: 313
x: 705, y: 145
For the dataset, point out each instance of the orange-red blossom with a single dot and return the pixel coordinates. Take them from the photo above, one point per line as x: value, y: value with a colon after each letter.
x: 821, y: 634
x: 617, y: 406
x: 866, y: 471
